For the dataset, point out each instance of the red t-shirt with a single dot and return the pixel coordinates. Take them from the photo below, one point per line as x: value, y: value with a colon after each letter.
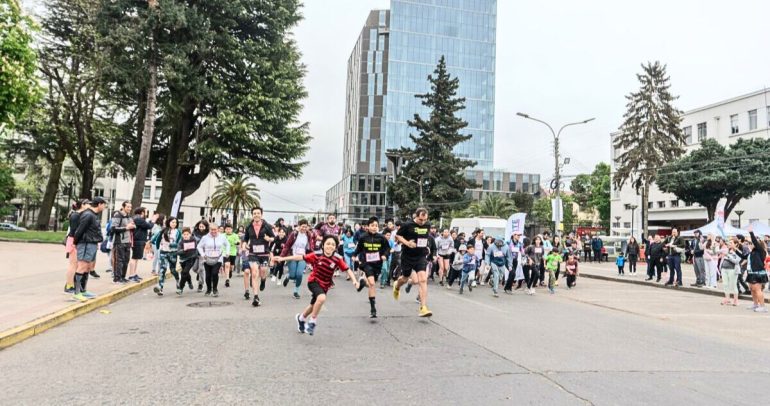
x: 324, y: 267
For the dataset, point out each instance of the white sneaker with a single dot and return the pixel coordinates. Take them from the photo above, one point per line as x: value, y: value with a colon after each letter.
x: 762, y: 309
x: 272, y: 279
x: 473, y: 283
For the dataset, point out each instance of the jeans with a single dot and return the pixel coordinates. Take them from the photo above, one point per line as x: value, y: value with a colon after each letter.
x: 296, y: 270
x: 699, y: 265
x: 464, y: 280
x: 598, y: 255
x: 167, y: 261
x: 711, y: 273
x: 675, y: 267
x: 496, y: 271
x: 349, y: 261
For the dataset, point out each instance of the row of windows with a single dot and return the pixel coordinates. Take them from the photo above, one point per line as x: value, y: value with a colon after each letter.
x: 148, y: 191
x: 443, y: 44
x: 431, y: 57
x: 443, y: 21
x: 401, y: 107
x: 735, y: 128
x: 413, y: 78
x: 481, y: 6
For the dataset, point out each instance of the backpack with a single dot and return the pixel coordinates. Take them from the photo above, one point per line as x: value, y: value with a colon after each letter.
x: 109, y: 229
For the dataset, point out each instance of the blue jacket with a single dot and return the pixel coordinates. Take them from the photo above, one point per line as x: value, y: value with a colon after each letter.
x: 500, y: 256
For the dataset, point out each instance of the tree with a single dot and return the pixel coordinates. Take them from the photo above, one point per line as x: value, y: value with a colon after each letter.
x: 713, y: 172
x: 431, y: 162
x: 542, y: 211
x: 592, y: 191
x: 493, y: 205
x: 229, y: 89
x: 523, y: 202
x: 7, y: 188
x: 19, y: 88
x: 649, y: 136
x: 236, y: 194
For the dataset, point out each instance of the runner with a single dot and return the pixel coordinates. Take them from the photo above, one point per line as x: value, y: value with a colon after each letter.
x: 188, y: 253
x: 516, y: 247
x: 258, y: 236
x: 140, y: 241
x: 167, y: 243
x: 87, y: 238
x: 500, y: 261
x: 234, y: 242
x: 445, y: 245
x: 298, y: 243
x: 275, y: 249
x: 212, y: 249
x: 200, y: 230
x: 413, y: 235
x: 324, y: 264
x: 371, y: 251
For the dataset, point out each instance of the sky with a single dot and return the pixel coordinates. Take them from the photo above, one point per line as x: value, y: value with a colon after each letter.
x: 558, y: 60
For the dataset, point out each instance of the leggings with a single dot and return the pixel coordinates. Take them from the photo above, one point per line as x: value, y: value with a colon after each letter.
x: 277, y: 270
x: 529, y: 276
x: 632, y: 263
x: 571, y: 280
x: 511, y: 276
x: 296, y: 270
x: 453, y: 274
x: 167, y: 261
x: 186, y: 267
x: 212, y: 276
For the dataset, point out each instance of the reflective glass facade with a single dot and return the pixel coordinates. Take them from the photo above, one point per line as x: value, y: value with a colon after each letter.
x: 421, y: 31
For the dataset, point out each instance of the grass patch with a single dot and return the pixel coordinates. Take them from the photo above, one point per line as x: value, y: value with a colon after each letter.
x: 42, y: 236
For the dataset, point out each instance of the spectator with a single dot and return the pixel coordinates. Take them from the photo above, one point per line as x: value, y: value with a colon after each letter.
x: 121, y: 226
x: 597, y: 244
x: 140, y: 241
x: 698, y: 262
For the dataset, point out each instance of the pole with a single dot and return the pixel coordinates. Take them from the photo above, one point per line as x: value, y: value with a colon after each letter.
x: 557, y: 213
x: 632, y: 220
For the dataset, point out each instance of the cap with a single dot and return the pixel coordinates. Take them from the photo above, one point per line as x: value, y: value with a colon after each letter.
x: 97, y: 201
x: 462, y: 248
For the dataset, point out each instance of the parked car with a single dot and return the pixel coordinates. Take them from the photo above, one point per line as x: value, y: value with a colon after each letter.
x: 11, y: 227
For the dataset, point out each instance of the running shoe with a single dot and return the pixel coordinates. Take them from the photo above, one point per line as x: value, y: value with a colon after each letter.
x: 408, y: 288
x: 79, y: 297
x: 69, y: 290
x: 262, y: 284
x: 361, y: 284
x: 179, y: 292
x: 256, y: 301
x: 296, y: 295
x: 300, y: 324
x: 94, y: 274
x: 761, y: 309
x: 200, y: 287
x: 470, y: 287
x: 752, y: 307
x: 285, y: 281
x: 208, y: 293
x: 495, y: 294
x: 373, y: 314
x: 246, y: 295
x: 396, y: 291
x: 88, y: 295
x: 158, y: 290
x: 227, y: 283
x: 310, y: 328
x: 216, y: 293
x: 424, y: 312
x: 189, y: 285
x: 551, y: 290
x: 417, y: 299
x: 272, y: 278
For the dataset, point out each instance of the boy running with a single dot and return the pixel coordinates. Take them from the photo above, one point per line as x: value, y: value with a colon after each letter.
x: 372, y: 250
x: 234, y: 242
x: 470, y: 264
x: 188, y: 253
x: 413, y: 235
x: 552, y: 261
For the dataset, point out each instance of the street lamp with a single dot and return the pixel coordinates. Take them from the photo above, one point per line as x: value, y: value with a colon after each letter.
x: 739, y: 213
x: 557, y: 167
x: 419, y: 184
x: 633, y: 207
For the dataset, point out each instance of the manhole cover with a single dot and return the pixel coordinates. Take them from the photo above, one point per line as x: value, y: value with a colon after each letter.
x: 210, y: 304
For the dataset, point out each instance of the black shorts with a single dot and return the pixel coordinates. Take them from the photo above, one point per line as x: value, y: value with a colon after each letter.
x: 231, y: 259
x: 372, y: 270
x: 316, y: 290
x: 756, y: 277
x: 413, y: 264
x: 259, y: 261
x: 137, y: 252
x: 447, y: 256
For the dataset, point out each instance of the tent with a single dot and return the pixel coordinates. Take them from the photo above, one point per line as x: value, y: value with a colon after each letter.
x: 760, y: 228
x: 711, y: 228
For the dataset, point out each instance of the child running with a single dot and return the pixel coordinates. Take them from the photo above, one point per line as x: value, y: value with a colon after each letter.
x: 235, y: 241
x: 324, y: 263
x: 371, y: 251
x: 552, y: 261
x: 470, y: 264
x: 571, y: 269
x: 188, y: 253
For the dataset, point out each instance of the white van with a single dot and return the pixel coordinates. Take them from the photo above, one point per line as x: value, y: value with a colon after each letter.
x: 492, y: 226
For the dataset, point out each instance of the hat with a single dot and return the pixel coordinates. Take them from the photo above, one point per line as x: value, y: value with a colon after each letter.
x: 97, y: 201
x: 462, y: 248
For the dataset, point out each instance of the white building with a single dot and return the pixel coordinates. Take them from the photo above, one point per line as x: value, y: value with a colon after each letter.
x: 746, y: 116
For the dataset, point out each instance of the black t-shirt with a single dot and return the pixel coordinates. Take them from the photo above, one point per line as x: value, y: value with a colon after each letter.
x: 74, y: 222
x: 257, y: 244
x: 411, y: 231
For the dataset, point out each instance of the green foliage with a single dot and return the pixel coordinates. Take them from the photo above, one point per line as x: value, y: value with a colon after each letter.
x: 7, y: 188
x: 431, y: 162
x: 494, y: 205
x: 34, y: 236
x: 229, y: 88
x: 523, y: 202
x: 18, y: 84
x: 542, y: 212
x: 714, y: 172
x: 236, y: 194
x: 592, y: 191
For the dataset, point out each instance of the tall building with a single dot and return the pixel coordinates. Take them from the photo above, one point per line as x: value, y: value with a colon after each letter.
x: 746, y: 116
x: 395, y: 52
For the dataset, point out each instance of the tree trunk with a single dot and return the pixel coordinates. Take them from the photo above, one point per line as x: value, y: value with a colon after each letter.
x: 51, y: 190
x: 645, y: 205
x: 147, y: 135
x: 235, y: 218
x: 87, y: 183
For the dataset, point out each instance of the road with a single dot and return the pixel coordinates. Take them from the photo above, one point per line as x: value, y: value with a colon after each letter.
x: 602, y: 343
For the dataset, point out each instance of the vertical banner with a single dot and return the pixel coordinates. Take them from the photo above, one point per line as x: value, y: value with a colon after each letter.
x: 515, y: 223
x: 720, y: 215
x: 557, y: 212
x: 177, y: 203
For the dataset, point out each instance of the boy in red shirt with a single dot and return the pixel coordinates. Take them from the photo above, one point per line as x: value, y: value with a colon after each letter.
x: 324, y: 263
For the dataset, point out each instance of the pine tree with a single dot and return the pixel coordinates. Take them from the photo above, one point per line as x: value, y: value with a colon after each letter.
x: 431, y: 162
x: 650, y: 135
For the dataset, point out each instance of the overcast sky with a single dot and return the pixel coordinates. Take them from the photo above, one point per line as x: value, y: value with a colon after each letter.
x: 558, y: 60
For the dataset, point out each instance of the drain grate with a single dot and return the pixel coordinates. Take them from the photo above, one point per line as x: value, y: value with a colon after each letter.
x: 210, y: 304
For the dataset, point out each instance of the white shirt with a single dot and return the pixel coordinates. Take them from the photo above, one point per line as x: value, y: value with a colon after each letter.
x: 213, y: 247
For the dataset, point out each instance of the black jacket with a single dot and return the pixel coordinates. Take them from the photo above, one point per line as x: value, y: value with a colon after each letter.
x: 142, y: 227
x: 757, y: 256
x: 370, y: 243
x: 89, y: 230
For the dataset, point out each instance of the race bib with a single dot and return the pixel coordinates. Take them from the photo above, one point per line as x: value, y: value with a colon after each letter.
x: 445, y: 246
x: 165, y: 245
x: 498, y: 254
x: 538, y: 250
x: 372, y: 256
x: 571, y: 267
x: 351, y: 245
x: 258, y: 249
x: 422, y: 242
x: 299, y: 251
x: 188, y: 246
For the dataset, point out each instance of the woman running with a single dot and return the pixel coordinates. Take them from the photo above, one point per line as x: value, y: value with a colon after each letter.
x: 299, y: 242
x: 445, y: 245
x: 167, y: 243
x: 534, y: 254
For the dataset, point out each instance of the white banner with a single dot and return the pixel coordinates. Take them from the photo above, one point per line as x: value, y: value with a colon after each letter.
x: 720, y: 215
x: 515, y: 223
x: 176, y: 204
x: 557, y: 213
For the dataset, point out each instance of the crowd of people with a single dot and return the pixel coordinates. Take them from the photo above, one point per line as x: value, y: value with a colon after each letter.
x: 375, y: 256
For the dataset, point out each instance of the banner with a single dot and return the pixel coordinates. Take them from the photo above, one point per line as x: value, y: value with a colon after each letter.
x: 720, y: 215
x: 176, y: 204
x: 515, y: 223
x: 557, y: 211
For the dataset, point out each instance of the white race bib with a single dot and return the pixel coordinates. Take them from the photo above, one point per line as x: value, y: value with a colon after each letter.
x: 188, y: 246
x: 299, y: 251
x: 422, y: 242
x: 538, y: 250
x: 352, y: 245
x: 445, y: 246
x: 498, y: 254
x: 372, y: 256
x: 165, y: 245
x: 258, y: 249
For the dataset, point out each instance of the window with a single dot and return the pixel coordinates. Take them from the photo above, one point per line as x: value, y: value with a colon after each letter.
x: 627, y: 206
x: 615, y: 225
x: 146, y: 194
x: 649, y: 205
x: 734, y: 223
x: 662, y: 204
x: 675, y: 203
x: 626, y: 225
x: 99, y: 192
x: 702, y: 132
x: 687, y: 134
x: 752, y: 119
x: 734, y: 124
x: 158, y: 190
x: 616, y: 194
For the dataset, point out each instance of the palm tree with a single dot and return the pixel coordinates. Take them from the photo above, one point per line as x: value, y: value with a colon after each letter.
x: 237, y: 194
x: 493, y: 205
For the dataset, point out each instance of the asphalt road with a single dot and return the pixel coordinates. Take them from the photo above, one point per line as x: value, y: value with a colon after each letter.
x: 602, y: 343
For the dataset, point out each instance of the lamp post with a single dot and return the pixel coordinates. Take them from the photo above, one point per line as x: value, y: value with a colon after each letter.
x: 633, y: 207
x: 557, y: 166
x: 739, y: 213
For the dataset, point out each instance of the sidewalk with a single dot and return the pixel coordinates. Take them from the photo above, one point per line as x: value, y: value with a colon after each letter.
x: 609, y: 271
x: 32, y: 276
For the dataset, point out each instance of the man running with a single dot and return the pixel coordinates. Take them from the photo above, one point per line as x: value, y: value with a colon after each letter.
x: 413, y: 235
x: 372, y: 250
x: 258, y: 235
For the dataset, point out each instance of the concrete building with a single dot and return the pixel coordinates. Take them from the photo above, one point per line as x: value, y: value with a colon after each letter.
x: 394, y: 54
x: 746, y: 116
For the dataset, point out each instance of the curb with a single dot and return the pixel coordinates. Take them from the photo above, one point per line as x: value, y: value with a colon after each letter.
x: 661, y: 286
x: 31, y: 241
x: 39, y: 325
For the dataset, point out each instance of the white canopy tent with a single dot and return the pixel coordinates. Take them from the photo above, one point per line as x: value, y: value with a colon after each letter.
x: 711, y: 228
x: 760, y: 228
